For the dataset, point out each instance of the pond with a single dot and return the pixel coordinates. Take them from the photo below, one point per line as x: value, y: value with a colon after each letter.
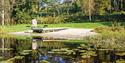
x: 44, y: 50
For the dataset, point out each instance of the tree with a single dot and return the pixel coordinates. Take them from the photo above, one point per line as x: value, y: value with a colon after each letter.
x: 2, y: 12
x: 102, y: 6
x: 24, y: 10
x: 6, y: 7
x: 88, y: 7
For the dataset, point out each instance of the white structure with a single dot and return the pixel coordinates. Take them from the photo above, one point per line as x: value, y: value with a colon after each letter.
x: 34, y: 23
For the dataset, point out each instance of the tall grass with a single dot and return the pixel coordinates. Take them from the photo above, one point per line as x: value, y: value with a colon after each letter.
x: 109, y: 37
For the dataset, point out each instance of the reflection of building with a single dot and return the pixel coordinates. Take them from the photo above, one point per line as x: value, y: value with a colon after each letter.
x: 36, y: 39
x: 34, y: 45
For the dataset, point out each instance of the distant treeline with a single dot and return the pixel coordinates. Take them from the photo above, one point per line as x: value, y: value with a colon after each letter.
x: 58, y: 11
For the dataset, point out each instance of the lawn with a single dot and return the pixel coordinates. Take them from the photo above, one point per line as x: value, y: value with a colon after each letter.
x: 22, y: 27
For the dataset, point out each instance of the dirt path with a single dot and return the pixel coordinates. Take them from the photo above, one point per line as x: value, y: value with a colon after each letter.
x: 71, y: 33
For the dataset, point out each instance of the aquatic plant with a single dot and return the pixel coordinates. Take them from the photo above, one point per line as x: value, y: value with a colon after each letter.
x: 44, y: 61
x: 88, y: 54
x: 120, y: 61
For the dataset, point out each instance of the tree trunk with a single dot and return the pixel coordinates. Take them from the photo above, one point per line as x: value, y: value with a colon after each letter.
x: 2, y: 17
x: 116, y: 5
x: 3, y: 45
x: 2, y: 12
x: 90, y: 18
x: 121, y: 4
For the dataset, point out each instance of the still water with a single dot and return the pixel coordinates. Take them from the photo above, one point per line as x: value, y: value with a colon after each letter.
x: 42, y: 50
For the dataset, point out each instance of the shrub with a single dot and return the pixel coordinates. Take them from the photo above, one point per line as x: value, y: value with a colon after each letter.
x: 109, y: 37
x: 52, y: 20
x: 115, y: 27
x: 108, y: 40
x: 23, y: 17
x: 46, y: 20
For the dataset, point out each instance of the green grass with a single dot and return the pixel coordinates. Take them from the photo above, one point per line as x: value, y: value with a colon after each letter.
x: 15, y: 28
x: 77, y: 25
x: 22, y: 27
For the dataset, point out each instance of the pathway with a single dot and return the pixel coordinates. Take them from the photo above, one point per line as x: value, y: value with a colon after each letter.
x: 71, y: 33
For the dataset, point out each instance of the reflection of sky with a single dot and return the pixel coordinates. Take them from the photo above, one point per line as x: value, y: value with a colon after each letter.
x: 54, y: 58
x: 42, y: 4
x: 61, y: 1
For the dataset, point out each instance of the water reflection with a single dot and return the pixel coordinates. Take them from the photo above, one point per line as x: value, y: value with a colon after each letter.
x: 12, y: 48
x: 40, y: 50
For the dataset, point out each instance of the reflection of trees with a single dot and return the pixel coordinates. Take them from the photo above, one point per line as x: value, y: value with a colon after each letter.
x: 23, y: 45
x: 13, y: 46
x: 5, y: 47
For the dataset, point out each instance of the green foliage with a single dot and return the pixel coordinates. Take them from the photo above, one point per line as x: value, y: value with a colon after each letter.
x: 103, y: 6
x: 44, y: 61
x: 52, y: 20
x: 88, y: 6
x: 110, y: 37
x: 24, y: 45
x: 114, y: 28
x: 47, y: 20
x: 24, y: 10
x: 120, y: 61
x: 2, y: 30
x: 23, y: 17
x: 88, y: 54
x: 15, y: 28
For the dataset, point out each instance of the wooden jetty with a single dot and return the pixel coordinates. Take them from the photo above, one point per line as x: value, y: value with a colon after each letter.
x: 44, y: 30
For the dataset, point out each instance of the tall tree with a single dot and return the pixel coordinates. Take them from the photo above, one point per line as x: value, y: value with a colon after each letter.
x: 88, y: 7
x: 2, y: 11
x: 5, y: 11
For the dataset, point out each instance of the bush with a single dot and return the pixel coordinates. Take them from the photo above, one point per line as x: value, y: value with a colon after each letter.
x: 52, y: 20
x: 109, y: 37
x: 23, y: 17
x: 108, y: 40
x: 46, y: 20
x: 115, y: 27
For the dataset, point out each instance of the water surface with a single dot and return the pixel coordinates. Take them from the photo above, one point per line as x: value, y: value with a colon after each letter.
x: 43, y: 50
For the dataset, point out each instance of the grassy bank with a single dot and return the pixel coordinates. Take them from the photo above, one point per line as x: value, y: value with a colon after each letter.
x: 22, y: 27
x: 112, y: 37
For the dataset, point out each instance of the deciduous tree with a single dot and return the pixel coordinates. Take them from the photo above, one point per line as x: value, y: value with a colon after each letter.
x: 88, y: 6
